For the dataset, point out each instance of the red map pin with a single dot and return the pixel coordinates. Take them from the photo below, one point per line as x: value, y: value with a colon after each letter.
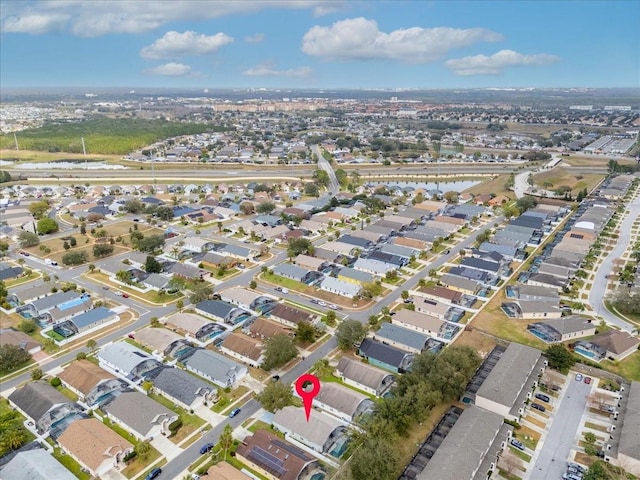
x: 307, y: 386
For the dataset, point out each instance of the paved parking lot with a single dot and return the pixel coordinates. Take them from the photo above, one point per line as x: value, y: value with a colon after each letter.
x: 551, y: 461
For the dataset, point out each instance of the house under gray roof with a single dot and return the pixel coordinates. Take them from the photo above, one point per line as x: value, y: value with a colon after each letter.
x: 37, y: 398
x: 463, y: 450
x: 139, y: 412
x: 404, y: 336
x: 217, y: 367
x: 510, y: 374
x: 35, y: 465
x: 630, y: 434
x: 179, y: 384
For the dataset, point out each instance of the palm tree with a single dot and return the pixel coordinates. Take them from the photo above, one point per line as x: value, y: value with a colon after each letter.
x: 14, y: 438
x: 226, y: 439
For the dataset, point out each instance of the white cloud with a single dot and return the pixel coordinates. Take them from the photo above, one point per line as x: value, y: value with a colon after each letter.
x: 268, y: 69
x: 496, y: 63
x: 257, y: 38
x: 360, y: 39
x: 171, y: 70
x: 175, y: 44
x: 35, y: 23
x: 101, y: 17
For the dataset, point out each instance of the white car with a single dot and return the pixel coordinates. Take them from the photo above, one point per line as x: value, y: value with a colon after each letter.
x: 118, y: 293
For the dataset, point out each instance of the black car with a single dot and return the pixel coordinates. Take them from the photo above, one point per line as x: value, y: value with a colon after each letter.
x: 153, y: 474
x: 538, y: 407
x: 543, y: 397
x: 205, y: 448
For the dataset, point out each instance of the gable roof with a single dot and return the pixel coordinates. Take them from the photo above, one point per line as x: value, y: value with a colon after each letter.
x: 616, y: 341
x: 92, y: 442
x: 317, y: 430
x: 510, y: 374
x: 139, y: 412
x: 37, y: 398
x: 384, y: 353
x: 179, y: 384
x: 341, y: 398
x: 630, y: 434
x: 267, y: 328
x: 403, y: 336
x: 215, y: 366
x: 291, y: 314
x: 35, y: 465
x: 157, y: 338
x: 243, y: 345
x: 84, y: 375
x: 9, y: 336
x: 123, y: 355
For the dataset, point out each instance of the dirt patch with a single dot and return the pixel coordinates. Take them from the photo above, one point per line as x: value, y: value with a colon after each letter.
x: 481, y: 343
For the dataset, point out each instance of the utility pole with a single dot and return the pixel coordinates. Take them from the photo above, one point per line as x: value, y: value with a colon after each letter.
x: 15, y: 139
x: 84, y: 151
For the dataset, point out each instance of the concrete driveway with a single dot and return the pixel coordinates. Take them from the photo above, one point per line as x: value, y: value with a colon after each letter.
x: 561, y: 435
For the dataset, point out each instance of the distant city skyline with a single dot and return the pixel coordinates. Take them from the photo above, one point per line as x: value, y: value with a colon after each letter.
x: 319, y: 44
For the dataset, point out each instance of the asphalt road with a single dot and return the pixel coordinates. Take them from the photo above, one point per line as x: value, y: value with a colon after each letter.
x: 225, y: 173
x: 562, y: 435
x: 599, y: 291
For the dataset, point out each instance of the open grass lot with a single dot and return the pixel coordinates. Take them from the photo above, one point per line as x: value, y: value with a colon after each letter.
x: 496, y: 186
x: 36, y: 156
x: 493, y: 321
x: 115, y: 136
x: 527, y: 436
x: 559, y: 176
x: 628, y: 368
x: 577, y: 160
x: 481, y: 343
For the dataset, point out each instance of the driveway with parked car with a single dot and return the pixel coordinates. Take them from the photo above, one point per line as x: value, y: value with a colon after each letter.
x: 568, y: 411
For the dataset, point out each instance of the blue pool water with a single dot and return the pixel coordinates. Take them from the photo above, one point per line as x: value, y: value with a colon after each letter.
x: 73, y: 303
x: 339, y: 449
x: 317, y: 476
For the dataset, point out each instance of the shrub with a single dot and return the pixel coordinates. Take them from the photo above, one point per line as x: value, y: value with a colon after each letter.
x: 55, y: 382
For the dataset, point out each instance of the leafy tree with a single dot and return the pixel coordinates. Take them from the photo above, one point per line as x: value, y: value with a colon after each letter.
x: 321, y: 177
x: 371, y: 289
x: 55, y: 382
x: 66, y: 245
x: 279, y: 349
x: 225, y: 441
x: 102, y: 250
x: 180, y: 304
x: 376, y: 458
x: 92, y: 344
x: 47, y: 225
x: 81, y: 356
x: 27, y: 326
x: 12, y: 432
x: 597, y: 471
x: 299, y: 246
x: 133, y: 206
x: 253, y: 284
x: 202, y: 293
x: 74, y: 258
x: 37, y: 374
x: 164, y: 213
x: 265, y: 207
x: 38, y: 209
x: 124, y: 276
x: 143, y: 449
x: 147, y: 386
x: 12, y: 357
x: 28, y: 239
x: 330, y: 317
x: 275, y: 396
x: 94, y: 217
x: 91, y: 267
x: 246, y: 208
x: 525, y: 203
x: 305, y: 332
x: 4, y: 247
x: 349, y: 333
x: 150, y: 243
x: 311, y: 189
x: 451, y: 196
x: 151, y: 265
x: 560, y: 358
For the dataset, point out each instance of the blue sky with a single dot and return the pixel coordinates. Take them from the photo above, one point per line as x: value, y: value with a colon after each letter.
x: 320, y: 44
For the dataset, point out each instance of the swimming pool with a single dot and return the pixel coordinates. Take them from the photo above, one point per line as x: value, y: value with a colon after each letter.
x: 73, y: 303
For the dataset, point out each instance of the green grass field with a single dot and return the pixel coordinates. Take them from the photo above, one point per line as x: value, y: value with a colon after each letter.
x: 101, y: 135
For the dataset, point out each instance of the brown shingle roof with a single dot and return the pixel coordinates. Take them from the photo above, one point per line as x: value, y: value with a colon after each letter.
x: 243, y: 345
x: 267, y: 328
x: 92, y: 442
x: 291, y: 314
x: 84, y: 375
x: 616, y: 342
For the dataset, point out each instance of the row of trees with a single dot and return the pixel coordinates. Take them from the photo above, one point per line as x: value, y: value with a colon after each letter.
x: 433, y: 380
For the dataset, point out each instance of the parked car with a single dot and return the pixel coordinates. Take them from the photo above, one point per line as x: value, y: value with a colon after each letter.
x: 580, y: 468
x: 26, y: 254
x: 205, y: 448
x: 538, y: 407
x: 275, y: 378
x: 234, y: 412
x: 571, y: 476
x: 587, y: 380
x: 578, y: 377
x: 153, y: 474
x: 278, y: 289
x: 543, y: 397
x: 125, y: 295
x: 517, y: 444
x: 118, y: 293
